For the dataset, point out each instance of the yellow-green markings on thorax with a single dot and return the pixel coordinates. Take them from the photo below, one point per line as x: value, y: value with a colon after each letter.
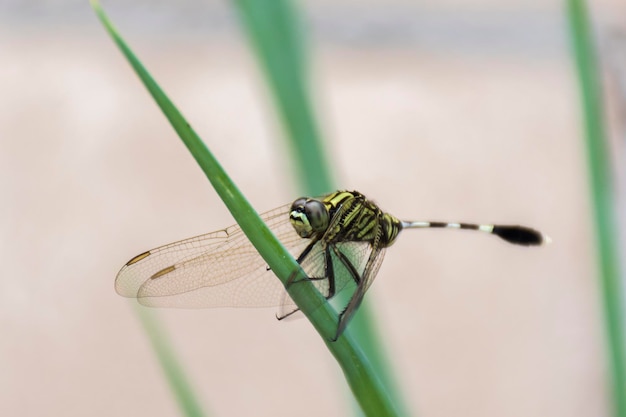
x: 360, y: 222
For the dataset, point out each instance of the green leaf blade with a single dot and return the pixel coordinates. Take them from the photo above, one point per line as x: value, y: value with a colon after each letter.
x: 603, y: 202
x: 274, y: 31
x: 364, y: 382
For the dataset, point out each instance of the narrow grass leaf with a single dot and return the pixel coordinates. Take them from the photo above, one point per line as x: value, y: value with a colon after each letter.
x: 274, y: 28
x: 363, y: 381
x: 174, y: 373
x: 599, y: 165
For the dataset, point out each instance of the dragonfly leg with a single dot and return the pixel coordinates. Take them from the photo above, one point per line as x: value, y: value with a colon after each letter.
x: 349, y: 266
x: 348, y: 312
x: 329, y: 272
x: 355, y: 301
x: 293, y: 277
x: 279, y: 318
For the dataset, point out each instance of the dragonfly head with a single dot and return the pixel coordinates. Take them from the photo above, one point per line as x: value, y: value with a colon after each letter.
x: 309, y: 217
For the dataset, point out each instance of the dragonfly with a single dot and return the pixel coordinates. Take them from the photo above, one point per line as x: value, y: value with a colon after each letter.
x: 338, y: 239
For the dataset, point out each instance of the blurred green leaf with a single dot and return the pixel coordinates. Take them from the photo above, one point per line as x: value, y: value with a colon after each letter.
x: 174, y: 373
x: 274, y: 28
x: 603, y: 200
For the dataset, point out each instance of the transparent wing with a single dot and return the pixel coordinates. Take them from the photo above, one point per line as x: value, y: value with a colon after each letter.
x: 316, y: 265
x: 336, y: 266
x: 313, y: 266
x: 219, y: 269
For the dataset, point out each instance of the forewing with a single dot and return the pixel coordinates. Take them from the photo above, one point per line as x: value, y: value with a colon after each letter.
x: 213, y: 270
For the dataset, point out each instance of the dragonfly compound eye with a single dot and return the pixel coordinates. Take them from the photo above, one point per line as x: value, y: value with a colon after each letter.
x: 318, y: 216
x: 308, y: 217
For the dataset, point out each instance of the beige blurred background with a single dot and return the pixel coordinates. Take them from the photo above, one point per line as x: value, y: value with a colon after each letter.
x: 442, y: 110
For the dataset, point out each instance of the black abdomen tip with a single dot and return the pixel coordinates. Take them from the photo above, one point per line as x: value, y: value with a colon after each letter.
x: 519, y: 235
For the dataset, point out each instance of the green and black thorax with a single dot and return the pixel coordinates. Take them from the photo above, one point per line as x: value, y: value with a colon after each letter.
x: 344, y: 216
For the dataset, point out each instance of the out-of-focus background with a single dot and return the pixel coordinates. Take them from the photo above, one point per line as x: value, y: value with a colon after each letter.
x: 439, y: 110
